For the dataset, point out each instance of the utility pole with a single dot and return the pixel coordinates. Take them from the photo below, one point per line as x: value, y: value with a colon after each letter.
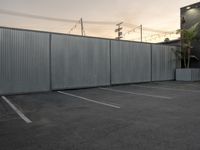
x: 118, y: 30
x: 141, y: 32
x: 82, y: 28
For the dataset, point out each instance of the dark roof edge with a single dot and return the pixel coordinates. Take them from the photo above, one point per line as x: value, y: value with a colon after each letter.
x: 198, y: 3
x: 171, y: 41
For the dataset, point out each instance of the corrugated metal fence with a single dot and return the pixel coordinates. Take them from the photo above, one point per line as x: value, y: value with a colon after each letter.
x: 79, y: 62
x: 24, y: 61
x: 163, y: 62
x: 130, y: 62
x: 37, y: 61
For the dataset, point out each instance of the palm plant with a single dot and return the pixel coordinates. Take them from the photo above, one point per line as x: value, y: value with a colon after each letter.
x: 188, y: 36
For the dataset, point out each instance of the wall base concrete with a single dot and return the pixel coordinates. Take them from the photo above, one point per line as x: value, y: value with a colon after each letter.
x: 188, y: 74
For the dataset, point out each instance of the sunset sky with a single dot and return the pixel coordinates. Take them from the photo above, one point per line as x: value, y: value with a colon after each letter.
x: 161, y: 15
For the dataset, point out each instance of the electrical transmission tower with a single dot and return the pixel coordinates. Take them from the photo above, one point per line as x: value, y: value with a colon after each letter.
x: 119, y: 30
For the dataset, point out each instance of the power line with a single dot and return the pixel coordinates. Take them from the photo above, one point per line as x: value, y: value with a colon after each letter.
x: 20, y: 14
x: 13, y: 13
x: 74, y: 27
x: 156, y: 36
x: 132, y: 30
x: 160, y: 31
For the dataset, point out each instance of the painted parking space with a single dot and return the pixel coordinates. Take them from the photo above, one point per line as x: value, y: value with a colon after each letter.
x: 81, y: 119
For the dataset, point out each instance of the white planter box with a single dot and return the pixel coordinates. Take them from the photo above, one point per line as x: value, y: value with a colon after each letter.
x: 188, y: 74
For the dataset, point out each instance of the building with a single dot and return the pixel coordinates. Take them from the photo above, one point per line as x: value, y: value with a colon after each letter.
x: 190, y: 15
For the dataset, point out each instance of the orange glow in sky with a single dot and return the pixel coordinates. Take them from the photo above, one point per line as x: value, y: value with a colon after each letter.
x: 162, y: 15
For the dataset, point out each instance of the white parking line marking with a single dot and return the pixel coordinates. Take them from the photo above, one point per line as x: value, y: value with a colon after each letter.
x: 134, y: 93
x: 165, y: 88
x: 16, y: 110
x: 90, y: 100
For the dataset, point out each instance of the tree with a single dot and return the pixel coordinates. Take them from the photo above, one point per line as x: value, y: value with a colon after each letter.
x: 188, y: 36
x: 166, y: 40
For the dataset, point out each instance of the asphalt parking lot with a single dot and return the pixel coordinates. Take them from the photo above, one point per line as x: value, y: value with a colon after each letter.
x: 147, y: 116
